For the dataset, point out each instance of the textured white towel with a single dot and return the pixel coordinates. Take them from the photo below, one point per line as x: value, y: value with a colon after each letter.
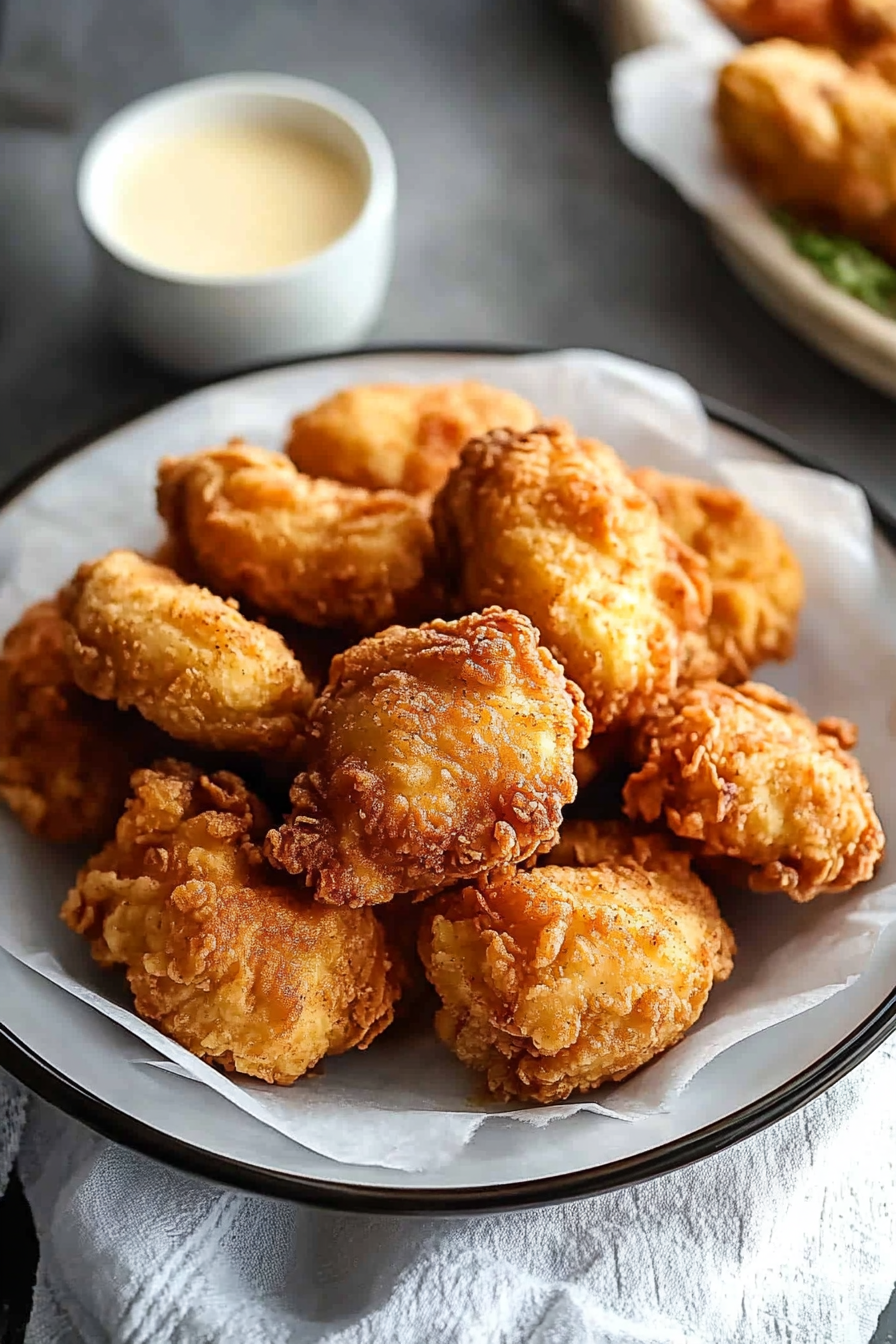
x: 788, y: 1237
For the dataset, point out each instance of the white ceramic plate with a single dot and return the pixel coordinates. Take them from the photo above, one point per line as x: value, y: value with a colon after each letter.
x: 92, y: 1068
x: 845, y: 330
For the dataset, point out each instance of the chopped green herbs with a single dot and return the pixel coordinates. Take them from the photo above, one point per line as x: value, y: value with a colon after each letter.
x: 845, y: 263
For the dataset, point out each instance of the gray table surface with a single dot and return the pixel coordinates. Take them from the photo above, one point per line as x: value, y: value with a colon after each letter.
x: 521, y: 217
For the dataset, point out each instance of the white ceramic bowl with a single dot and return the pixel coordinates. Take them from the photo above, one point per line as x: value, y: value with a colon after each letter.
x: 203, y: 325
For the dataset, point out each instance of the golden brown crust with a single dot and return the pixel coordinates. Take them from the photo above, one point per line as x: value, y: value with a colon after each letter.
x: 584, y: 844
x: 318, y: 551
x: 742, y: 773
x: 560, y: 979
x: 433, y: 754
x: 222, y: 953
x: 757, y: 582
x: 843, y: 24
x: 187, y: 660
x: 554, y: 527
x: 815, y: 136
x: 399, y: 436
x: 65, y: 758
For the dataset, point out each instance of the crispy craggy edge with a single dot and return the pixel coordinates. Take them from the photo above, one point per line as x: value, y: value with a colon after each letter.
x: 308, y: 841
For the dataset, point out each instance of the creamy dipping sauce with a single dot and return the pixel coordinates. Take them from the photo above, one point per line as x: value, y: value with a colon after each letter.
x: 234, y: 200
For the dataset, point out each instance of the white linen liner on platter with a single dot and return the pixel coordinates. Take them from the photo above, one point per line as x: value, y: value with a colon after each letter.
x: 406, y: 1103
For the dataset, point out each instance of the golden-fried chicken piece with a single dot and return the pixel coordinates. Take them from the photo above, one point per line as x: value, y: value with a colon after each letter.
x: 583, y: 844
x: 818, y: 22
x: 434, y: 754
x: 878, y: 59
x: 815, y: 136
x: 743, y: 773
x: 228, y: 957
x: 187, y: 660
x: 318, y: 551
x: 757, y: 583
x: 399, y: 436
x: 65, y: 758
x: 554, y: 527
x: 557, y: 980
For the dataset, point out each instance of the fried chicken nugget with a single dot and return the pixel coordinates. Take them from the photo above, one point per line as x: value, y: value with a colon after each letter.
x: 879, y: 59
x: 554, y: 527
x: 817, y: 22
x: 557, y: 980
x: 65, y: 758
x: 321, y: 552
x: 843, y: 24
x: 743, y: 773
x: 434, y: 754
x: 187, y: 660
x: 223, y: 953
x: 399, y: 436
x: 814, y: 136
x: 583, y: 844
x: 757, y: 582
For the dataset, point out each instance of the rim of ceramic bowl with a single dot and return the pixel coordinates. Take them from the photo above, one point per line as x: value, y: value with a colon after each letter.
x: 379, y: 200
x: 352, y: 1197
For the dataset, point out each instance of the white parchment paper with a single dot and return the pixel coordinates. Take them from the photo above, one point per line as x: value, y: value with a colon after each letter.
x: 663, y: 101
x: 406, y: 1103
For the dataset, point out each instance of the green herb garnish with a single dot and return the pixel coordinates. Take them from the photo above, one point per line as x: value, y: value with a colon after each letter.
x: 845, y: 263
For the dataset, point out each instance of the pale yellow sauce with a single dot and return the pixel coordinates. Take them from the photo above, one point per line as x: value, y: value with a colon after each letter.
x: 234, y: 200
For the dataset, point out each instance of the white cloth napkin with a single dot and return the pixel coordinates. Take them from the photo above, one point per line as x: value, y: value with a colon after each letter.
x: 790, y: 1236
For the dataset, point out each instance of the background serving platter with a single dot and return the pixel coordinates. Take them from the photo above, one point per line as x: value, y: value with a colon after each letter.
x: 92, y: 1068
x: 847, y: 331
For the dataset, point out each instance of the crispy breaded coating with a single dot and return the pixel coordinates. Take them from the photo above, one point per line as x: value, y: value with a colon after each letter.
x: 399, y: 436
x: 814, y: 136
x: 757, y: 582
x: 187, y: 660
x: 583, y: 844
x: 878, y: 59
x: 744, y: 773
x: 434, y: 754
x: 557, y: 980
x: 226, y: 956
x: 65, y: 758
x: 843, y: 24
x: 321, y: 552
x: 818, y: 22
x: 554, y: 527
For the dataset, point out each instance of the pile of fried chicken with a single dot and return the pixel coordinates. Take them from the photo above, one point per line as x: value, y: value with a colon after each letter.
x: 808, y: 113
x: 326, y: 736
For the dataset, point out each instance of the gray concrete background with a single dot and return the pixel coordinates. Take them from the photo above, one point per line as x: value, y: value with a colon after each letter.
x: 521, y: 217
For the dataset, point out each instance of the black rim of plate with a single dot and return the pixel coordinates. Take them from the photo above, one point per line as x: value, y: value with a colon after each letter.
x: 70, y: 1097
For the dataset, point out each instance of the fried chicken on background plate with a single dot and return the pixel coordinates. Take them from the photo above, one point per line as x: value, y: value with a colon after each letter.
x: 225, y: 955
x: 559, y: 979
x: 65, y: 758
x: 814, y: 136
x: 400, y: 436
x: 186, y: 659
x: 844, y: 24
x: 433, y: 754
x: 318, y: 551
x: 757, y: 582
x: 554, y: 527
x: 746, y: 777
